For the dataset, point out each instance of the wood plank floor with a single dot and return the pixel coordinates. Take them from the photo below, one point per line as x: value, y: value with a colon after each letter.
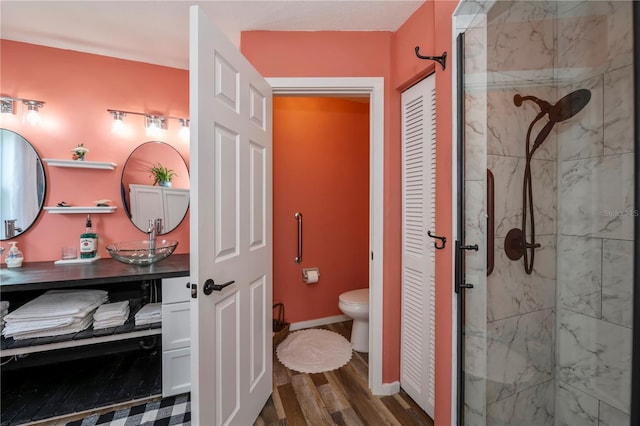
x: 340, y: 397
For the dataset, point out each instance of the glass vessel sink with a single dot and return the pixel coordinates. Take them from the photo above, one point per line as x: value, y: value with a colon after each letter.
x: 139, y: 252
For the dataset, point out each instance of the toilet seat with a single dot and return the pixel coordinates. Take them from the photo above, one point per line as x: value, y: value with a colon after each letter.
x: 355, y: 297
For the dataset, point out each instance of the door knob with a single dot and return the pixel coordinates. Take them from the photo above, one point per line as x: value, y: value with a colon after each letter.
x: 210, y: 286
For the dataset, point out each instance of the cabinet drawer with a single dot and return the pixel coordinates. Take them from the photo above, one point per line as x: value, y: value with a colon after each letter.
x: 175, y: 290
x: 176, y: 372
x: 175, y: 326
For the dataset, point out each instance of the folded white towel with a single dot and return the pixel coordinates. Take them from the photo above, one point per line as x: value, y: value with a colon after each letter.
x: 72, y: 328
x: 150, y: 310
x: 149, y: 314
x: 97, y: 325
x: 112, y: 310
x: 59, y: 303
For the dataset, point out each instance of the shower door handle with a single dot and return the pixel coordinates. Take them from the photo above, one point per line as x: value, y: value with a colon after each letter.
x: 459, y: 267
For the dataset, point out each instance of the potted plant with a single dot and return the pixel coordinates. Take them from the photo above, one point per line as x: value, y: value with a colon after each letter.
x: 162, y: 176
x: 79, y: 152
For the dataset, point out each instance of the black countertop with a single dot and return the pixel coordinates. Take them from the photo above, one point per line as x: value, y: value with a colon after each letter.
x: 47, y: 275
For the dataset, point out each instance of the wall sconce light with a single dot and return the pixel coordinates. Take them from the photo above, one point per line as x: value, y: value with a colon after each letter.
x: 6, y: 106
x: 184, y: 130
x: 154, y: 124
x: 31, y: 114
x: 117, y: 126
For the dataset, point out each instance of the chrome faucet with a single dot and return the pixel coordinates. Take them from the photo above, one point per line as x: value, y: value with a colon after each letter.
x: 155, y: 228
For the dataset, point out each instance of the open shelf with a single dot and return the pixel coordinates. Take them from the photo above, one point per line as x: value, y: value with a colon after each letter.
x: 80, y: 164
x: 85, y: 209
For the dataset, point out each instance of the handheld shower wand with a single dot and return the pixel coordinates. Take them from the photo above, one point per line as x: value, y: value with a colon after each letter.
x: 516, y: 245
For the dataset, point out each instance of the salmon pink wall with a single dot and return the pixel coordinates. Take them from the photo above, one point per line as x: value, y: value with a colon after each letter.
x: 348, y: 54
x: 78, y: 88
x: 430, y: 28
x: 320, y: 169
x: 388, y: 55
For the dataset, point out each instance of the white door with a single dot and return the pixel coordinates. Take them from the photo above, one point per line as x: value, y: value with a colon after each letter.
x: 417, y: 369
x: 231, y: 241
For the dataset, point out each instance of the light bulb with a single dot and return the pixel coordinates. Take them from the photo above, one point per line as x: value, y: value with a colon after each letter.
x: 117, y: 127
x: 32, y: 116
x: 184, y: 130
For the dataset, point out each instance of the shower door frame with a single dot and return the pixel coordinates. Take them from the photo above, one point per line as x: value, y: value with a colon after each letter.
x: 635, y: 357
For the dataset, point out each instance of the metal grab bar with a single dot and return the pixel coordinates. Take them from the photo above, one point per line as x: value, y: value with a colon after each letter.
x: 298, y: 216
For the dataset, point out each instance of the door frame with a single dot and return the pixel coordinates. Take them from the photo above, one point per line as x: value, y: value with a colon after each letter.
x: 374, y: 88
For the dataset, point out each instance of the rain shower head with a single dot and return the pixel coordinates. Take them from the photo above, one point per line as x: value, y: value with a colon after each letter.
x: 564, y: 109
x: 569, y: 105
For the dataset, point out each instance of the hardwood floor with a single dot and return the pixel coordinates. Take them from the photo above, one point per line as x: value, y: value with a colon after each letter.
x: 340, y: 397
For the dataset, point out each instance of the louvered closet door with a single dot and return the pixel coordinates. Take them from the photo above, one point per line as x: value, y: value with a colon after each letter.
x: 417, y: 372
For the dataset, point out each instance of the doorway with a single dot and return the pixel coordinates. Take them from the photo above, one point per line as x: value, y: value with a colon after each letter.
x: 373, y: 88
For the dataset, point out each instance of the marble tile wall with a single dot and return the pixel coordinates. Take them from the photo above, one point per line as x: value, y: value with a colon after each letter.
x: 595, y: 217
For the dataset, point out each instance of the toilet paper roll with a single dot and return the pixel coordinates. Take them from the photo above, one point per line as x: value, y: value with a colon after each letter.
x: 312, y: 277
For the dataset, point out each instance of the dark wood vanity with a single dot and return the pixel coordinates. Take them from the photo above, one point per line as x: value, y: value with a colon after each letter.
x: 91, y: 368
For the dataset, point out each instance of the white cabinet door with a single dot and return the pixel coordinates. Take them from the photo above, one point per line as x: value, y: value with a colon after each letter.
x: 175, y: 326
x: 146, y: 203
x: 152, y: 202
x: 176, y: 339
x: 175, y: 202
x: 176, y: 371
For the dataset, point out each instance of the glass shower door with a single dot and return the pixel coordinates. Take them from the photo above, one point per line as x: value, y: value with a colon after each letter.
x: 546, y: 105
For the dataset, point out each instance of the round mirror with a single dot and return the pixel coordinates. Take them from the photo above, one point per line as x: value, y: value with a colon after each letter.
x: 23, y: 184
x: 155, y: 185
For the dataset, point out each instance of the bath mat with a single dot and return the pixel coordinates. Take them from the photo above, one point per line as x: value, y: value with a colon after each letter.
x: 314, y: 351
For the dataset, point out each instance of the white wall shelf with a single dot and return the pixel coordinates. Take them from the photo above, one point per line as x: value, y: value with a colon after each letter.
x: 80, y: 164
x: 85, y: 209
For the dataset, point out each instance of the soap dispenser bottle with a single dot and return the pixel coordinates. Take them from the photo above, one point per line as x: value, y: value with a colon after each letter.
x: 14, y: 258
x: 88, y: 241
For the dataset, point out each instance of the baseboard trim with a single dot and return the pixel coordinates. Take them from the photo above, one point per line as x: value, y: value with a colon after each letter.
x: 317, y: 322
x: 387, y: 388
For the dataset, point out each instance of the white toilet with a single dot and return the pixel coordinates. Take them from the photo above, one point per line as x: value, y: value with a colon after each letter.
x: 355, y: 304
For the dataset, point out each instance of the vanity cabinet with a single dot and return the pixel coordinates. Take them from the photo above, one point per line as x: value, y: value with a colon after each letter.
x: 176, y: 338
x: 142, y: 368
x: 151, y: 202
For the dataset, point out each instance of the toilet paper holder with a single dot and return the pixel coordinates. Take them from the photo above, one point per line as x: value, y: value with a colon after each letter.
x: 305, y: 273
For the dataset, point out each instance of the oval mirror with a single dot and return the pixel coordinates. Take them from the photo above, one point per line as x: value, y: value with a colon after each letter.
x: 145, y: 196
x: 23, y: 184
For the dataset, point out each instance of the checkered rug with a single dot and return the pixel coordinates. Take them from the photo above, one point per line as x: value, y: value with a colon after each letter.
x: 171, y: 411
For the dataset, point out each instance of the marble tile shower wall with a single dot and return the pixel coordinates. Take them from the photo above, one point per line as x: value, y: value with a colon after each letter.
x: 595, y: 216
x: 520, y: 307
x: 553, y: 347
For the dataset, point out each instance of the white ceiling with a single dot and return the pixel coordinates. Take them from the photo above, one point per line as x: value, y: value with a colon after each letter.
x: 157, y: 32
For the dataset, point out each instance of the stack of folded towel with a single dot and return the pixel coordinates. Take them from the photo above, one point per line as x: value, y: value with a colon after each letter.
x: 149, y: 314
x: 54, y: 313
x: 4, y: 310
x: 111, y: 315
